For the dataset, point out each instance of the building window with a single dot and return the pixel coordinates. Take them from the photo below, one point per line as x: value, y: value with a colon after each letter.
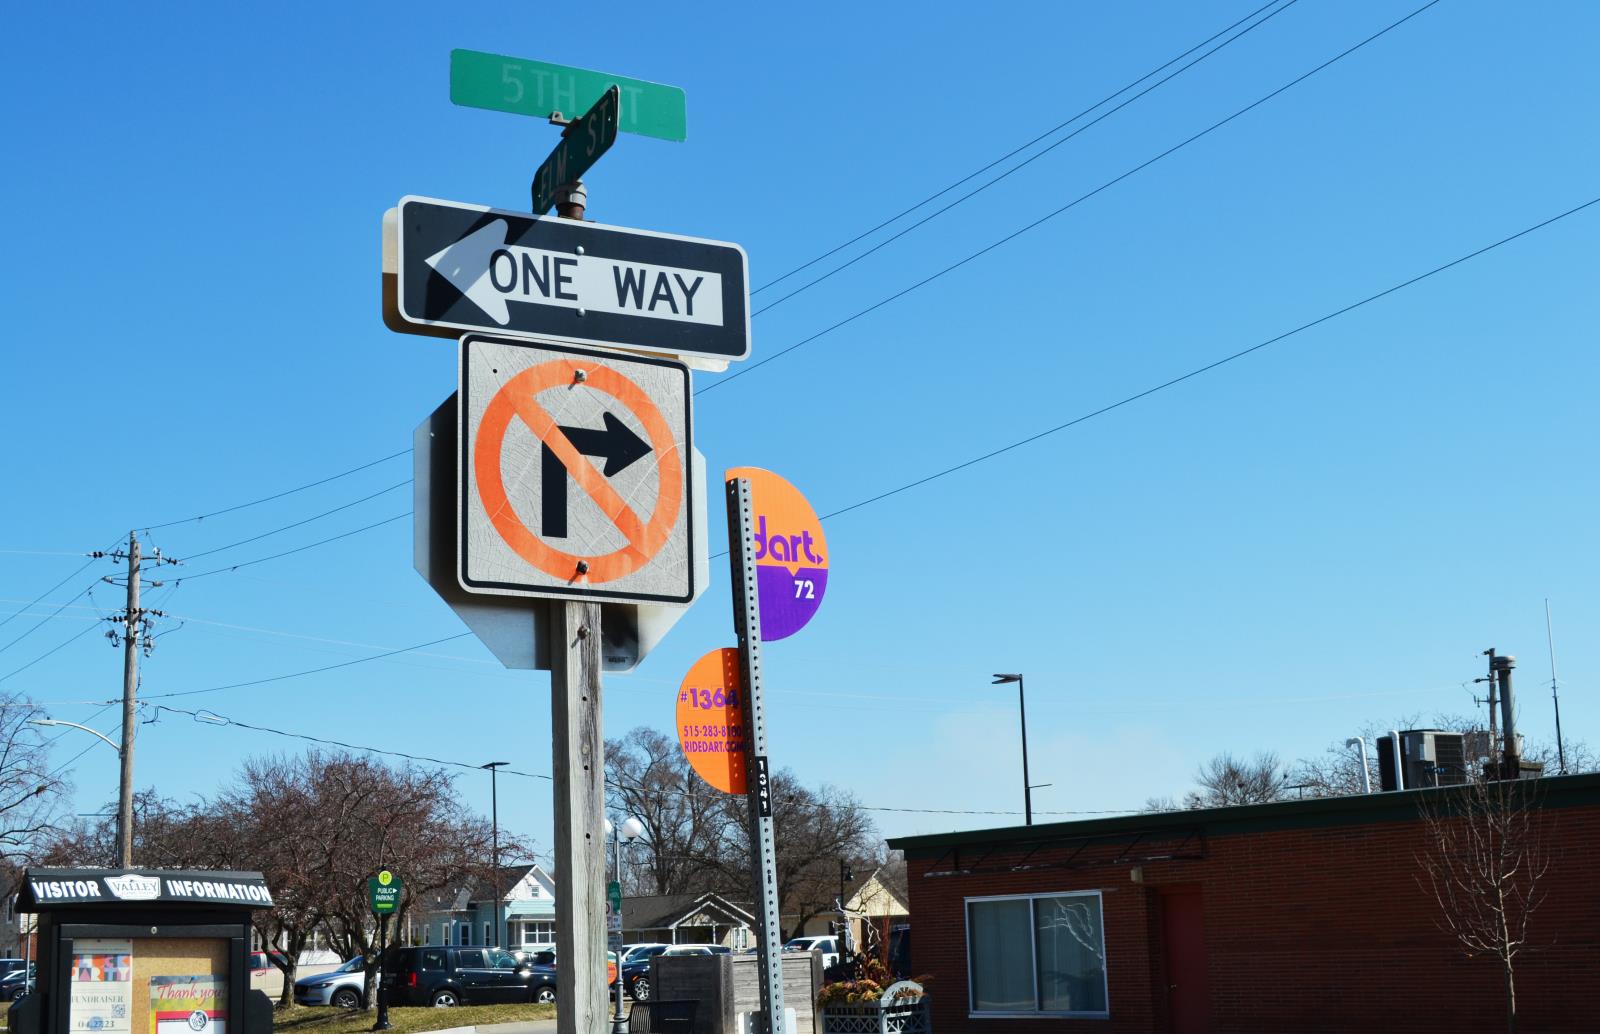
x: 488, y: 933
x: 464, y: 932
x: 1038, y: 953
x: 427, y: 933
x: 538, y: 931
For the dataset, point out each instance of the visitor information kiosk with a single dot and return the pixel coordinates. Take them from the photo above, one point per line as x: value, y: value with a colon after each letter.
x: 142, y: 952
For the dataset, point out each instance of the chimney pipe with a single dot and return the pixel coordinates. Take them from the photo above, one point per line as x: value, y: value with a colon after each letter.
x: 1512, y: 766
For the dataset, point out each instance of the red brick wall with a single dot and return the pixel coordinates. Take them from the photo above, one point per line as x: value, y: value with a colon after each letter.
x: 1306, y: 930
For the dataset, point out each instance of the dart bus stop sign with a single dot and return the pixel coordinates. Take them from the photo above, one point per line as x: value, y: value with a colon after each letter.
x: 574, y: 474
x: 467, y: 267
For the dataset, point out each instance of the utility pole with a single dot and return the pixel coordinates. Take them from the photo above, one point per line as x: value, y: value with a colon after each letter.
x: 1494, y: 737
x: 135, y: 636
x: 133, y: 622
x: 1555, y: 698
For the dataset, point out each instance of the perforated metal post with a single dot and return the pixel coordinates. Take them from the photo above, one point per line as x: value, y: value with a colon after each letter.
x: 747, y: 625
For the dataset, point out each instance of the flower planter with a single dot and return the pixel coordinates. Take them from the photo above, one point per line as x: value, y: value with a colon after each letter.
x: 892, y: 1014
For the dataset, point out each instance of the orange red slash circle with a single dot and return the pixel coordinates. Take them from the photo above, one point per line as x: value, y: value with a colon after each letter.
x: 518, y: 399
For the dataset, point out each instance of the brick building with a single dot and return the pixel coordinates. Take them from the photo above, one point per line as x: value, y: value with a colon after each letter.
x: 1299, y: 916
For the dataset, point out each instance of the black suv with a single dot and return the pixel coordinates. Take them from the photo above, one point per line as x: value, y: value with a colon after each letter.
x: 443, y: 976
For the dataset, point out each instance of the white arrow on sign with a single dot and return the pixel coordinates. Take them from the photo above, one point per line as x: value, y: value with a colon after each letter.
x: 491, y: 273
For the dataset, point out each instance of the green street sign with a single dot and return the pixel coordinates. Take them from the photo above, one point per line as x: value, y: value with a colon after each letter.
x: 524, y: 87
x: 582, y: 144
x: 383, y: 891
x: 614, y: 895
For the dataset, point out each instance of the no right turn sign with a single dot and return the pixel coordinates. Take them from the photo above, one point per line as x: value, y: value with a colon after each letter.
x: 574, y: 473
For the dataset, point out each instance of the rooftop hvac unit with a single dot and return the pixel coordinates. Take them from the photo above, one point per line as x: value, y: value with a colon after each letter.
x: 1429, y: 757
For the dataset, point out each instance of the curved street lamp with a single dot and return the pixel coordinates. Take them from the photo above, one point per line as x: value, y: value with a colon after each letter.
x: 125, y: 792
x: 1022, y: 707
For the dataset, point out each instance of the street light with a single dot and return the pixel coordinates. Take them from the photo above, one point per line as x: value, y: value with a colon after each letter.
x: 494, y: 818
x: 1022, y: 707
x: 631, y: 830
x: 124, y: 791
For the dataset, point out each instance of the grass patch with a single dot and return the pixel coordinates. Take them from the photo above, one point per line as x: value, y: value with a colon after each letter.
x: 407, y: 1019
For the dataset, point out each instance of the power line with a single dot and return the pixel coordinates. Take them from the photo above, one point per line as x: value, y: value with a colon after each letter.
x: 930, y: 198
x: 42, y: 621
x: 296, y: 524
x: 290, y: 552
x: 1214, y: 365
x: 214, y: 719
x: 963, y: 199
x: 279, y: 495
x: 60, y: 646
x: 1209, y: 366
x: 311, y: 671
x: 86, y: 565
x: 1064, y: 208
x: 1008, y: 155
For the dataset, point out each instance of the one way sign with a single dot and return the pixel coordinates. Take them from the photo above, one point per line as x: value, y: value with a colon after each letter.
x: 473, y: 268
x: 574, y: 474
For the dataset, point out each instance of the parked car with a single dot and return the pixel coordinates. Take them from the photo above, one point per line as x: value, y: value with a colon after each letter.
x: 266, y: 961
x: 828, y: 945
x: 636, y: 968
x: 648, y: 949
x: 345, y: 987
x: 444, y: 976
x: 7, y: 965
x: 547, y: 957
x: 16, y: 983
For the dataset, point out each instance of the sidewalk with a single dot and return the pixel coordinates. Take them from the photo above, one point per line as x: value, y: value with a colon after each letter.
x: 525, y: 1027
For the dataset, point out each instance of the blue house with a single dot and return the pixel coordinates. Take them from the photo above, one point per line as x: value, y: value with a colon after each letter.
x: 526, y: 907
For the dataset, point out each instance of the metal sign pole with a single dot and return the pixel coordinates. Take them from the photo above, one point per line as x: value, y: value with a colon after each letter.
x: 747, y: 625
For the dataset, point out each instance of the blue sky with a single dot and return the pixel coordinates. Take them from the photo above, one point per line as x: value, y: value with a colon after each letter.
x: 1320, y: 536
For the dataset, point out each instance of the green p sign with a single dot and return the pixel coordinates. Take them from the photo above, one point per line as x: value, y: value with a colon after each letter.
x: 523, y: 87
x: 383, y: 890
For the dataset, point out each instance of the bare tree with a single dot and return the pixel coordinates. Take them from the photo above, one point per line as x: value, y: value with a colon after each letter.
x: 370, y: 816
x: 813, y: 830
x: 648, y: 777
x: 317, y: 825
x: 1226, y: 780
x: 30, y: 794
x: 1482, y: 865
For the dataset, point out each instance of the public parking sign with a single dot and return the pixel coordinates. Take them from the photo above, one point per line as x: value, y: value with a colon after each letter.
x: 574, y: 474
x: 383, y: 892
x: 474, y: 268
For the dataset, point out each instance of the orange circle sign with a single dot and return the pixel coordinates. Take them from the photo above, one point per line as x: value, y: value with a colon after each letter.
x: 518, y: 400
x: 711, y: 720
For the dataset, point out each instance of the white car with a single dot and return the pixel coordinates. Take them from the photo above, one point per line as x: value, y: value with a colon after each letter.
x: 643, y: 948
x: 829, y: 946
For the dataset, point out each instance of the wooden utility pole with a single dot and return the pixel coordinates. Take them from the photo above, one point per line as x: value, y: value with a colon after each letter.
x: 132, y: 636
x: 578, y: 762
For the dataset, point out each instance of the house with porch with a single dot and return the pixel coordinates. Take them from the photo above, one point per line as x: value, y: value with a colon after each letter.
x: 707, y: 918
x: 525, y: 908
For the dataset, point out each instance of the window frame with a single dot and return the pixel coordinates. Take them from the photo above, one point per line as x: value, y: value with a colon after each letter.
x: 975, y: 1013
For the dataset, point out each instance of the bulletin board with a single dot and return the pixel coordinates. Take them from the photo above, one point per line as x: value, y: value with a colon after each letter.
x: 149, y: 985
